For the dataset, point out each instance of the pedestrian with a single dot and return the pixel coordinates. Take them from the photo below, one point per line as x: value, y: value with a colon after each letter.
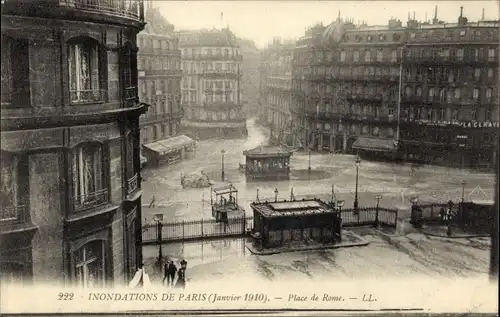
x: 165, y: 269
x: 181, y: 278
x: 172, y: 269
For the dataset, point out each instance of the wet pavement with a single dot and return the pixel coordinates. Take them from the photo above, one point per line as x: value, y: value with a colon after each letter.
x: 413, y: 254
x: 395, y: 182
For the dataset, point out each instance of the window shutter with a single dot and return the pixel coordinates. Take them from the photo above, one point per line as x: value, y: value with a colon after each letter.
x: 98, y: 162
x: 95, y: 73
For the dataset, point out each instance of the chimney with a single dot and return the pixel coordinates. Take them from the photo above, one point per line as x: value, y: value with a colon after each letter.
x: 425, y: 17
x: 409, y: 18
x: 461, y: 11
x: 482, y: 15
x: 435, y: 21
x: 413, y: 15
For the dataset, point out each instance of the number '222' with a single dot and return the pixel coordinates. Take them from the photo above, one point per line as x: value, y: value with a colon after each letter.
x: 65, y: 296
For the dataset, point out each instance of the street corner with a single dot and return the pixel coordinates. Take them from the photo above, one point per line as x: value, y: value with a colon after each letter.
x: 349, y: 239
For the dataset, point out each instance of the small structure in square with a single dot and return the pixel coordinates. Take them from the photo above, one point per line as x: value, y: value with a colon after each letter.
x: 225, y: 203
x: 284, y: 223
x: 267, y: 162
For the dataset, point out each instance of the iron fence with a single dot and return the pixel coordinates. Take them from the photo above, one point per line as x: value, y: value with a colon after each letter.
x: 239, y: 226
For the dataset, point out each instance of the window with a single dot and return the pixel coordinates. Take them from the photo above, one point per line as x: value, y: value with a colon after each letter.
x: 379, y: 55
x: 489, y: 93
x: 394, y: 56
x: 442, y: 94
x: 408, y: 91
x: 473, y: 115
x: 381, y: 37
x: 89, y: 264
x: 89, y: 189
x: 368, y: 57
x: 342, y: 56
x: 14, y: 187
x: 490, y: 73
x: 462, y: 33
x: 356, y: 56
x: 454, y: 115
x: 83, y: 58
x: 491, y: 55
x: 477, y: 73
x: 15, y: 73
x: 432, y: 92
x: 475, y: 93
x: 129, y: 67
x: 445, y: 53
x: 419, y: 92
x: 460, y: 54
x: 477, y: 34
x: 475, y: 53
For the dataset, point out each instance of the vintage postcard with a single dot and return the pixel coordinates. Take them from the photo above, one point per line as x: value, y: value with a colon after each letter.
x: 249, y: 157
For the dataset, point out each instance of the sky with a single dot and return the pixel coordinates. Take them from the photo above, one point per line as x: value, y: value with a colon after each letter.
x: 262, y: 20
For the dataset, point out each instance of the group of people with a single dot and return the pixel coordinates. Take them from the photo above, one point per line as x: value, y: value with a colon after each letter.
x: 170, y: 272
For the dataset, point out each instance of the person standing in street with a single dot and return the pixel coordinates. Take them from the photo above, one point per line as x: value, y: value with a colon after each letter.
x: 172, y: 269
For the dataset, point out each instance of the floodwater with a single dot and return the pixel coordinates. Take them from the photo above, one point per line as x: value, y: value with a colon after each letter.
x: 395, y: 182
x: 413, y: 254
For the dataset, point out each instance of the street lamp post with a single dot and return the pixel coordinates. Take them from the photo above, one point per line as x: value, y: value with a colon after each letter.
x: 356, y: 203
x: 463, y: 183
x: 222, y: 167
x: 276, y: 195
x: 376, y: 210
x: 309, y: 168
x: 158, y: 219
x: 414, y: 215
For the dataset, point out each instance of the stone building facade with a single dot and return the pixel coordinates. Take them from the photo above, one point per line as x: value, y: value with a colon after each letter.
x: 211, y: 84
x: 276, y: 98
x: 159, y: 65
x: 71, y: 185
x: 360, y: 89
x: 449, y: 108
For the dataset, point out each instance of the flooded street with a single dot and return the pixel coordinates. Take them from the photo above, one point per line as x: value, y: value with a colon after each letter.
x: 413, y: 254
x: 395, y: 182
x: 410, y: 253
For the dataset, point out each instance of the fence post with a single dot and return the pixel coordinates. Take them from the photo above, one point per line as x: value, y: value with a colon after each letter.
x: 202, y: 227
x: 183, y: 225
x: 396, y: 219
x: 244, y: 223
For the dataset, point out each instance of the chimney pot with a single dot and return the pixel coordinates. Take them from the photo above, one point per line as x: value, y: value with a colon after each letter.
x: 461, y: 11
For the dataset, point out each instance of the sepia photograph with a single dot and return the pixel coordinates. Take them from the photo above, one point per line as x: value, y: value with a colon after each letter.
x: 249, y: 157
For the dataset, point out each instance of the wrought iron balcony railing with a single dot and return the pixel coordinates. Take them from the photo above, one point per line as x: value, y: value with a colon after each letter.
x: 13, y: 213
x: 131, y: 93
x: 132, y: 184
x: 87, y: 96
x: 90, y: 200
x: 124, y: 8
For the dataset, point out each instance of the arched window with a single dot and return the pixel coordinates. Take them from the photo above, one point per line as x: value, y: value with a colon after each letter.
x: 431, y: 93
x: 89, y: 182
x: 90, y: 265
x: 84, y: 70
x: 419, y: 92
x: 368, y: 56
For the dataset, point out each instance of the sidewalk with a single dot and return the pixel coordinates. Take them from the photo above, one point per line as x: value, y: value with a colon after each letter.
x: 349, y: 239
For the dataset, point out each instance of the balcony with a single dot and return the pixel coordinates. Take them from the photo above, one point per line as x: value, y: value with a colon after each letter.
x: 160, y: 72
x: 220, y: 73
x: 364, y: 97
x: 350, y: 117
x: 90, y: 200
x: 131, y: 93
x: 13, y: 214
x: 88, y: 96
x: 213, y: 57
x: 447, y: 60
x: 133, y: 184
x: 159, y: 51
x: 128, y: 9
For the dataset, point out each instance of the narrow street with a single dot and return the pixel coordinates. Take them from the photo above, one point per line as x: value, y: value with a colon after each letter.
x: 395, y: 182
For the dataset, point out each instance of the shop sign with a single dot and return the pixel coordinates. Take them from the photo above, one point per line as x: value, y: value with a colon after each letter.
x: 463, y: 124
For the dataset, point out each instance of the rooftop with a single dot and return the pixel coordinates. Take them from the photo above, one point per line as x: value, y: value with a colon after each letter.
x: 292, y: 208
x: 268, y: 151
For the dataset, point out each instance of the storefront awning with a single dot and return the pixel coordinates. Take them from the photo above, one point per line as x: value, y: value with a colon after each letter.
x: 169, y: 145
x: 375, y: 144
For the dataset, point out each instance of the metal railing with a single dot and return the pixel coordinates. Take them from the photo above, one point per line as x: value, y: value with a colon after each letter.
x: 125, y: 8
x: 131, y: 93
x: 132, y: 184
x: 13, y: 213
x: 87, y: 96
x: 90, y: 200
x: 239, y: 226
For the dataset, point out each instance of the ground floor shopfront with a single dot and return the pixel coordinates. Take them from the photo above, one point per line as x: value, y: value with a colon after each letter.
x: 169, y: 151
